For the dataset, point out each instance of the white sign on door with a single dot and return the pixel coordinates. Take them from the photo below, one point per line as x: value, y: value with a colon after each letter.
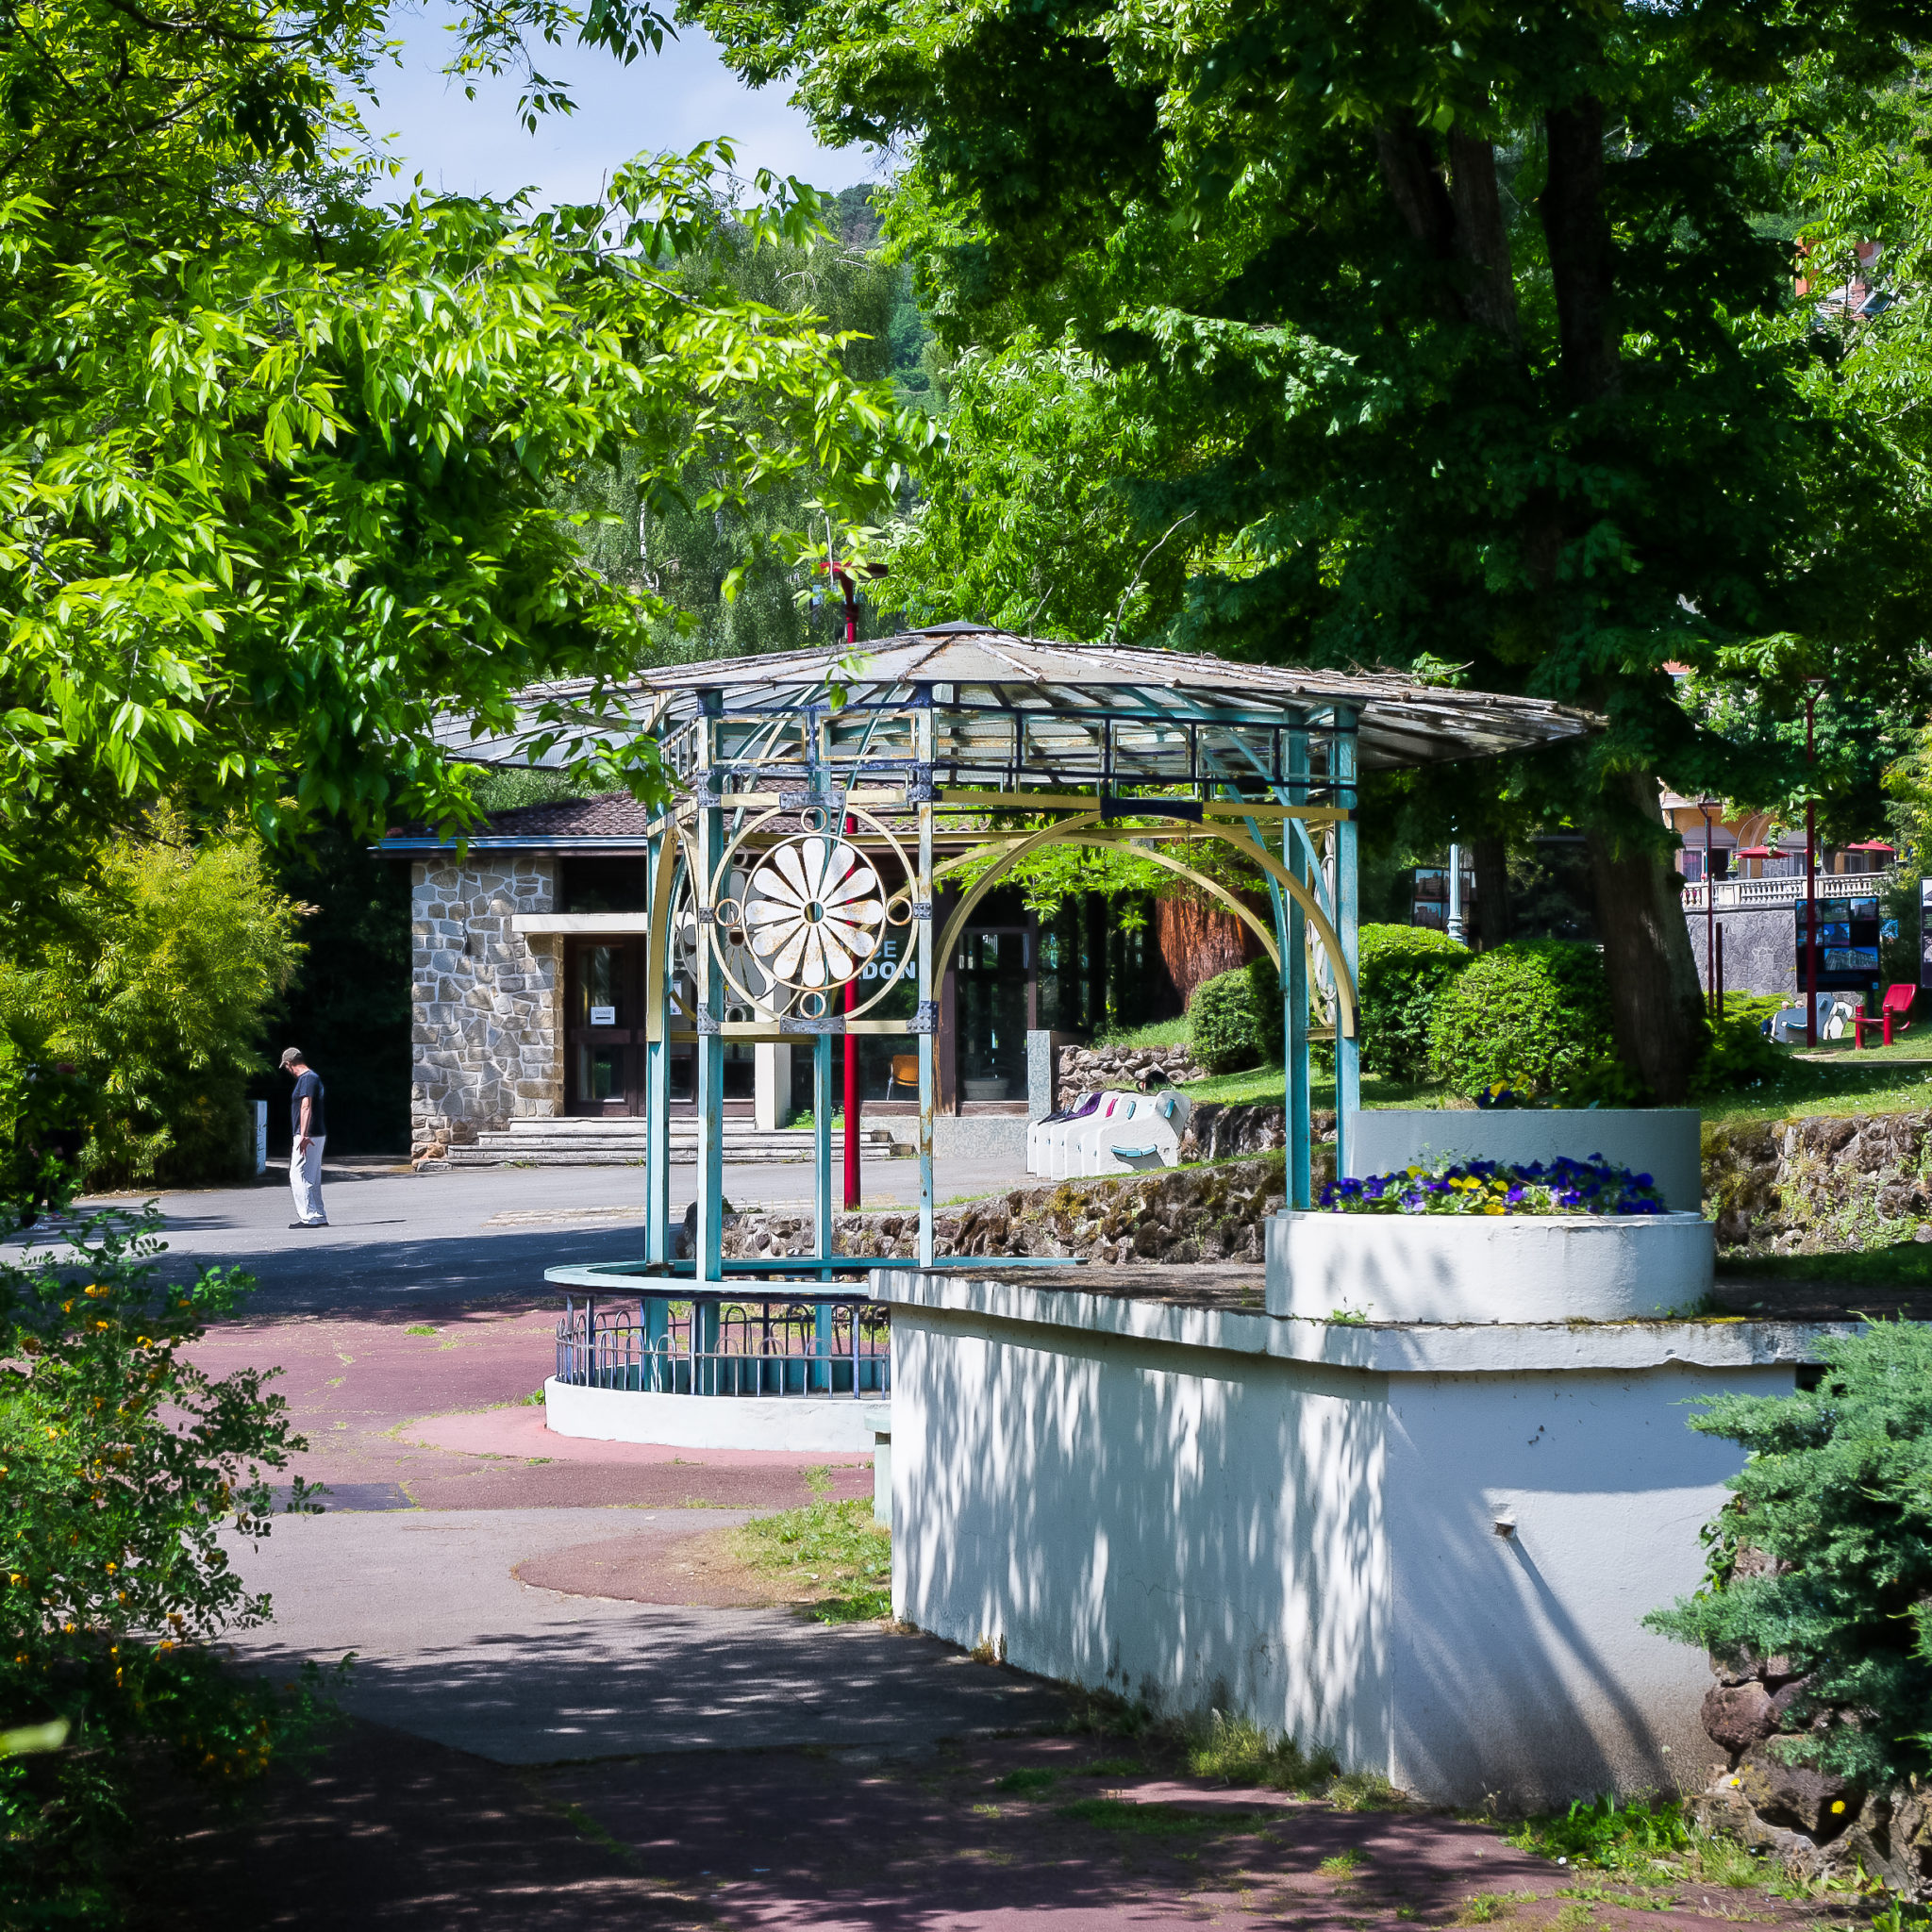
x: 603, y: 1016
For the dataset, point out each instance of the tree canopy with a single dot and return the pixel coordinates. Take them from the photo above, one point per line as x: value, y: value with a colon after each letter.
x: 1442, y: 337
x: 279, y: 468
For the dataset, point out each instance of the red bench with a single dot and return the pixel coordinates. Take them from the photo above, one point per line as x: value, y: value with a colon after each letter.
x: 1897, y: 1004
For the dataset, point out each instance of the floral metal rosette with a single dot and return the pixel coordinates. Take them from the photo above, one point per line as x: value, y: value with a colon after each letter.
x: 814, y: 912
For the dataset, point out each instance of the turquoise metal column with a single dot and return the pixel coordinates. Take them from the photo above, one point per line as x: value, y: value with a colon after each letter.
x: 821, y: 1142
x: 709, y: 1004
x: 1294, y: 989
x: 923, y: 937
x: 1346, y: 913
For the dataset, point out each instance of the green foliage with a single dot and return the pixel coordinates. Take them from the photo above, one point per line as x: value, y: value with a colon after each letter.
x: 1237, y: 1751
x: 1839, y: 1487
x: 1449, y: 369
x: 1737, y: 1055
x: 156, y: 988
x: 833, y: 1549
x: 122, y: 1464
x: 1403, y: 969
x: 281, y: 469
x: 1157, y: 1033
x: 1534, y: 1014
x: 347, y: 1004
x: 1608, y: 1834
x: 1237, y: 1018
x: 48, y: 1109
x: 1158, y: 1819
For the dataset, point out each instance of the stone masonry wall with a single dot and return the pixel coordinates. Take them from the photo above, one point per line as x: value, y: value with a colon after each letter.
x: 1820, y: 1183
x: 486, y: 1026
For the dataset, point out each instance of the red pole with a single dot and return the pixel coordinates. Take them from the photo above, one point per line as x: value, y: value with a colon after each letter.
x: 1709, y: 906
x: 1810, y: 877
x: 852, y: 1190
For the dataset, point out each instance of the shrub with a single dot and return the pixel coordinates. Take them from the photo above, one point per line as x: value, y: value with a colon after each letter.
x: 1535, y: 1014
x: 1837, y: 1490
x: 1237, y: 1018
x: 121, y: 1463
x: 1403, y: 969
x: 1736, y: 1053
x: 155, y: 990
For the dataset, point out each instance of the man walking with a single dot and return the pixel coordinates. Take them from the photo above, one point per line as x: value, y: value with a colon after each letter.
x: 308, y: 1119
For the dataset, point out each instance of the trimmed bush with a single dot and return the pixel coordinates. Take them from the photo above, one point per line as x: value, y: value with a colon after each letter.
x: 1402, y: 970
x: 1237, y: 1018
x: 1534, y: 1014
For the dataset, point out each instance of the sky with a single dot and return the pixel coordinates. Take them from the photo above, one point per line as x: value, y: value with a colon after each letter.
x: 672, y: 101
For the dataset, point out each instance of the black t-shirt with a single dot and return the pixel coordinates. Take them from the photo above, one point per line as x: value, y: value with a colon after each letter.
x: 309, y: 1087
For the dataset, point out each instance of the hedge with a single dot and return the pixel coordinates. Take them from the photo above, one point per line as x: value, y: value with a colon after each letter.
x: 1534, y: 1013
x: 1237, y: 1020
x: 1404, y: 970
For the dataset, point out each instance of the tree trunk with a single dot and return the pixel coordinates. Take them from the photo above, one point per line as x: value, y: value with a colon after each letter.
x: 1656, y: 1006
x: 1490, y: 858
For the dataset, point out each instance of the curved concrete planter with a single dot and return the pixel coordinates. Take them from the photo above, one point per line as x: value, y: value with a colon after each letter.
x: 1487, y: 1267
x: 715, y: 1421
x: 1660, y: 1141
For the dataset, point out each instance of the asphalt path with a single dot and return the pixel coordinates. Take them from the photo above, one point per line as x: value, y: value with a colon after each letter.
x: 404, y: 1239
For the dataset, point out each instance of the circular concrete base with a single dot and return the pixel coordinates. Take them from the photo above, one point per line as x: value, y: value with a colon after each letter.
x: 1488, y: 1268
x: 834, y: 1423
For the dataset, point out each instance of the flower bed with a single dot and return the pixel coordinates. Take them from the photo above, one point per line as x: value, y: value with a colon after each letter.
x: 1561, y: 1186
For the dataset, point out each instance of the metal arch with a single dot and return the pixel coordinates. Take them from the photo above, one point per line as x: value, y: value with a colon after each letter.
x: 983, y: 884
x: 1345, y: 985
x: 1212, y: 887
x: 658, y: 966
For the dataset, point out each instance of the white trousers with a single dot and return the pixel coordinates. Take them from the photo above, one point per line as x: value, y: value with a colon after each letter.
x: 305, y: 1183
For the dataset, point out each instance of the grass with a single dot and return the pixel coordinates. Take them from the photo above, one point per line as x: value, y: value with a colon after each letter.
x: 419, y: 1329
x: 1646, y: 1842
x: 1486, y: 1908
x: 1897, y: 1264
x: 1030, y: 1778
x: 1237, y: 1751
x: 1343, y: 1864
x: 1156, y: 1820
x: 835, y: 1549
x: 1848, y: 1082
x: 1162, y: 1033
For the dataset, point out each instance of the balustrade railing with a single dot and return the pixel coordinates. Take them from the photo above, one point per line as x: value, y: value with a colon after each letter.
x: 1738, y: 895
x: 726, y: 1345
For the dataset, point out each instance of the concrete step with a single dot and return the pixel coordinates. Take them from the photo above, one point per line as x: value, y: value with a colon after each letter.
x: 616, y: 1157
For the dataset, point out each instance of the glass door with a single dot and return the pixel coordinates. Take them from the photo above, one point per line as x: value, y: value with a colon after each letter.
x: 604, y: 1029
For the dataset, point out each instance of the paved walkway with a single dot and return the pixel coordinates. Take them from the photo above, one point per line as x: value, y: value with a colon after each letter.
x: 398, y: 1240
x: 568, y: 1714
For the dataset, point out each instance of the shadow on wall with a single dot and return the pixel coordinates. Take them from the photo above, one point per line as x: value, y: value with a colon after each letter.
x: 1187, y: 1528
x: 1317, y: 1549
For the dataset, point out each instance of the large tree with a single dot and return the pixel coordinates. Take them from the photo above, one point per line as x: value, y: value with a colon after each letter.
x: 278, y: 467
x: 1469, y: 337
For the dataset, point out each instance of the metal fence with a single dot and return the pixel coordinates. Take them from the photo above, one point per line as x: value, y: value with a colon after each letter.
x: 750, y: 1345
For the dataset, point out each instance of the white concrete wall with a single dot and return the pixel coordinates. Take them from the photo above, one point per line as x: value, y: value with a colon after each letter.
x: 770, y: 1084
x: 1521, y: 1665
x: 842, y: 1425
x: 1187, y: 1527
x: 1251, y: 1526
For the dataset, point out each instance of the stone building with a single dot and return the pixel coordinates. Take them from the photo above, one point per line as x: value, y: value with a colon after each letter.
x: 529, y: 972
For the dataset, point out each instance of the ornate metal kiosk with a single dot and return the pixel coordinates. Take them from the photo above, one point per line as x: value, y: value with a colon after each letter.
x: 799, y: 852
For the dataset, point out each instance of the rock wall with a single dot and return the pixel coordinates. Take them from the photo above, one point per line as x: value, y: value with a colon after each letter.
x: 1760, y: 949
x: 1818, y: 1825
x: 1179, y: 1215
x: 1115, y: 1069
x: 487, y: 1028
x: 1820, y: 1183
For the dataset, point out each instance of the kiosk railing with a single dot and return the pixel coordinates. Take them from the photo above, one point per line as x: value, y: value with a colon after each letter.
x: 819, y: 1342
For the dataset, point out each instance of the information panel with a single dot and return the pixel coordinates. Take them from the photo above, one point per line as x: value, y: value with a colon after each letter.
x: 1849, y: 932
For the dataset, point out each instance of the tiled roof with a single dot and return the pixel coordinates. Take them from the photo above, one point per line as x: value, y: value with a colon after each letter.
x: 607, y: 815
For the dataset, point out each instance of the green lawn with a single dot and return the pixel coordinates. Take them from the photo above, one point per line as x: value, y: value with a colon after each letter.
x: 1898, y: 1264
x: 1846, y: 1082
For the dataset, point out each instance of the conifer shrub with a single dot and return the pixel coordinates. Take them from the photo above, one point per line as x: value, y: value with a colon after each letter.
x: 1837, y: 1490
x: 1534, y: 1015
x: 1237, y: 1018
x: 1402, y: 970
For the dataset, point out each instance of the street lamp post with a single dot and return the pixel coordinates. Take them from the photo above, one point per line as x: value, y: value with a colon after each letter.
x: 1703, y: 805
